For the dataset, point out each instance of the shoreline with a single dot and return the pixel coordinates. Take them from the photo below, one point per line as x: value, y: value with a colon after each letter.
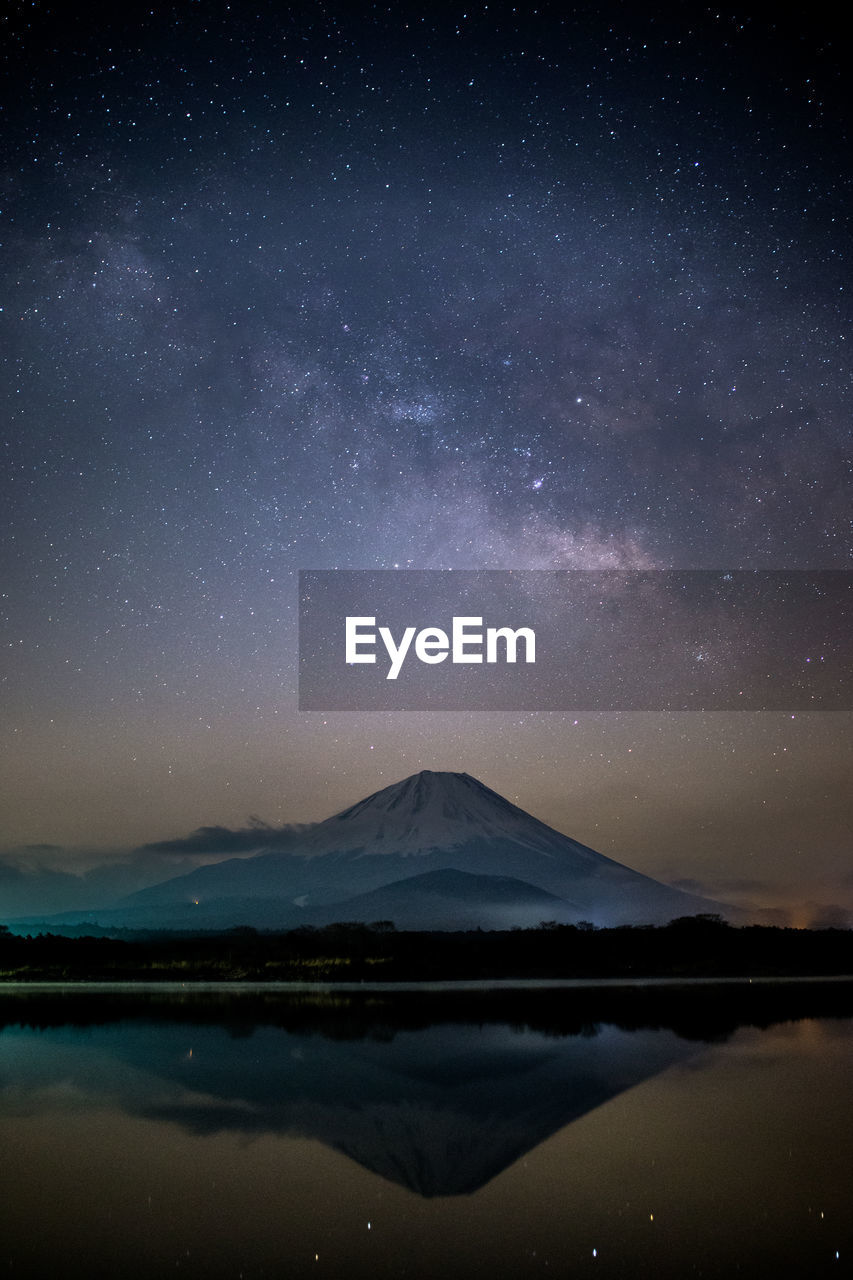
x: 445, y: 985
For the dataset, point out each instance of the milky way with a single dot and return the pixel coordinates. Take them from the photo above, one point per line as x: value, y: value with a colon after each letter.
x: 317, y: 286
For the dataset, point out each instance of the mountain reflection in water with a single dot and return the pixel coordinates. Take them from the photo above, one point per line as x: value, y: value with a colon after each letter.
x: 607, y: 1132
x: 440, y: 1108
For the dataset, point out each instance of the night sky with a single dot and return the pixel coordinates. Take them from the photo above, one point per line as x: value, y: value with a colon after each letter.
x: 321, y: 285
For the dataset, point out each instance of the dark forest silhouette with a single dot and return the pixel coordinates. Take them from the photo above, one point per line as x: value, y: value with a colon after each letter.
x: 689, y: 947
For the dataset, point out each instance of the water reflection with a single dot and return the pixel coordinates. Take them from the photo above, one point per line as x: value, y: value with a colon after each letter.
x: 439, y: 1107
x: 556, y: 1132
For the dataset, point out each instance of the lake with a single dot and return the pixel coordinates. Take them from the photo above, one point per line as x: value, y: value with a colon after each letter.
x: 593, y: 1131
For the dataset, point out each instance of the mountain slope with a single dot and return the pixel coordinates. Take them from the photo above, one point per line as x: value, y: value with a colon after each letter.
x: 356, y: 865
x: 450, y: 899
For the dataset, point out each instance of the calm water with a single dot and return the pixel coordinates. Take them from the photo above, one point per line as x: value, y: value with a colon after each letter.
x: 407, y: 1134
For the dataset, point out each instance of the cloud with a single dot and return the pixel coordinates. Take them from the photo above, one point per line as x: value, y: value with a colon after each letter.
x: 829, y: 916
x: 809, y: 915
x: 25, y: 889
x: 42, y: 880
x: 715, y: 888
x: 740, y: 892
x: 219, y: 841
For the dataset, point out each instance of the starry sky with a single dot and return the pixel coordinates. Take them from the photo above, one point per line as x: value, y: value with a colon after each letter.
x: 326, y: 285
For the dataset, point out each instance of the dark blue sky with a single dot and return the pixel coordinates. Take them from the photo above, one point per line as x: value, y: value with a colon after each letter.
x: 328, y: 285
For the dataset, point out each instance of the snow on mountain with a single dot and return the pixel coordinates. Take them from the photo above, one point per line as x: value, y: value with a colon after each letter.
x: 430, y: 811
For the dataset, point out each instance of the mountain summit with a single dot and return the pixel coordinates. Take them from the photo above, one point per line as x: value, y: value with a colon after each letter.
x: 433, y: 811
x: 434, y: 851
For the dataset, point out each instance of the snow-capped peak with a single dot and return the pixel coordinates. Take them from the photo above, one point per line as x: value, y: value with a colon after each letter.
x: 433, y: 810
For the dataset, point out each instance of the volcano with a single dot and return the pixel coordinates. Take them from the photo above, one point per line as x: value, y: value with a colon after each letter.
x: 435, y: 851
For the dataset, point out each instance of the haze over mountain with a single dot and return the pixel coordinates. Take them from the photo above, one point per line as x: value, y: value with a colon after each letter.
x: 435, y: 851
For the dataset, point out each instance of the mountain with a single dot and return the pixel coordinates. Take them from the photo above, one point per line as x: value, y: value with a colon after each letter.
x: 437, y: 850
x: 452, y: 899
